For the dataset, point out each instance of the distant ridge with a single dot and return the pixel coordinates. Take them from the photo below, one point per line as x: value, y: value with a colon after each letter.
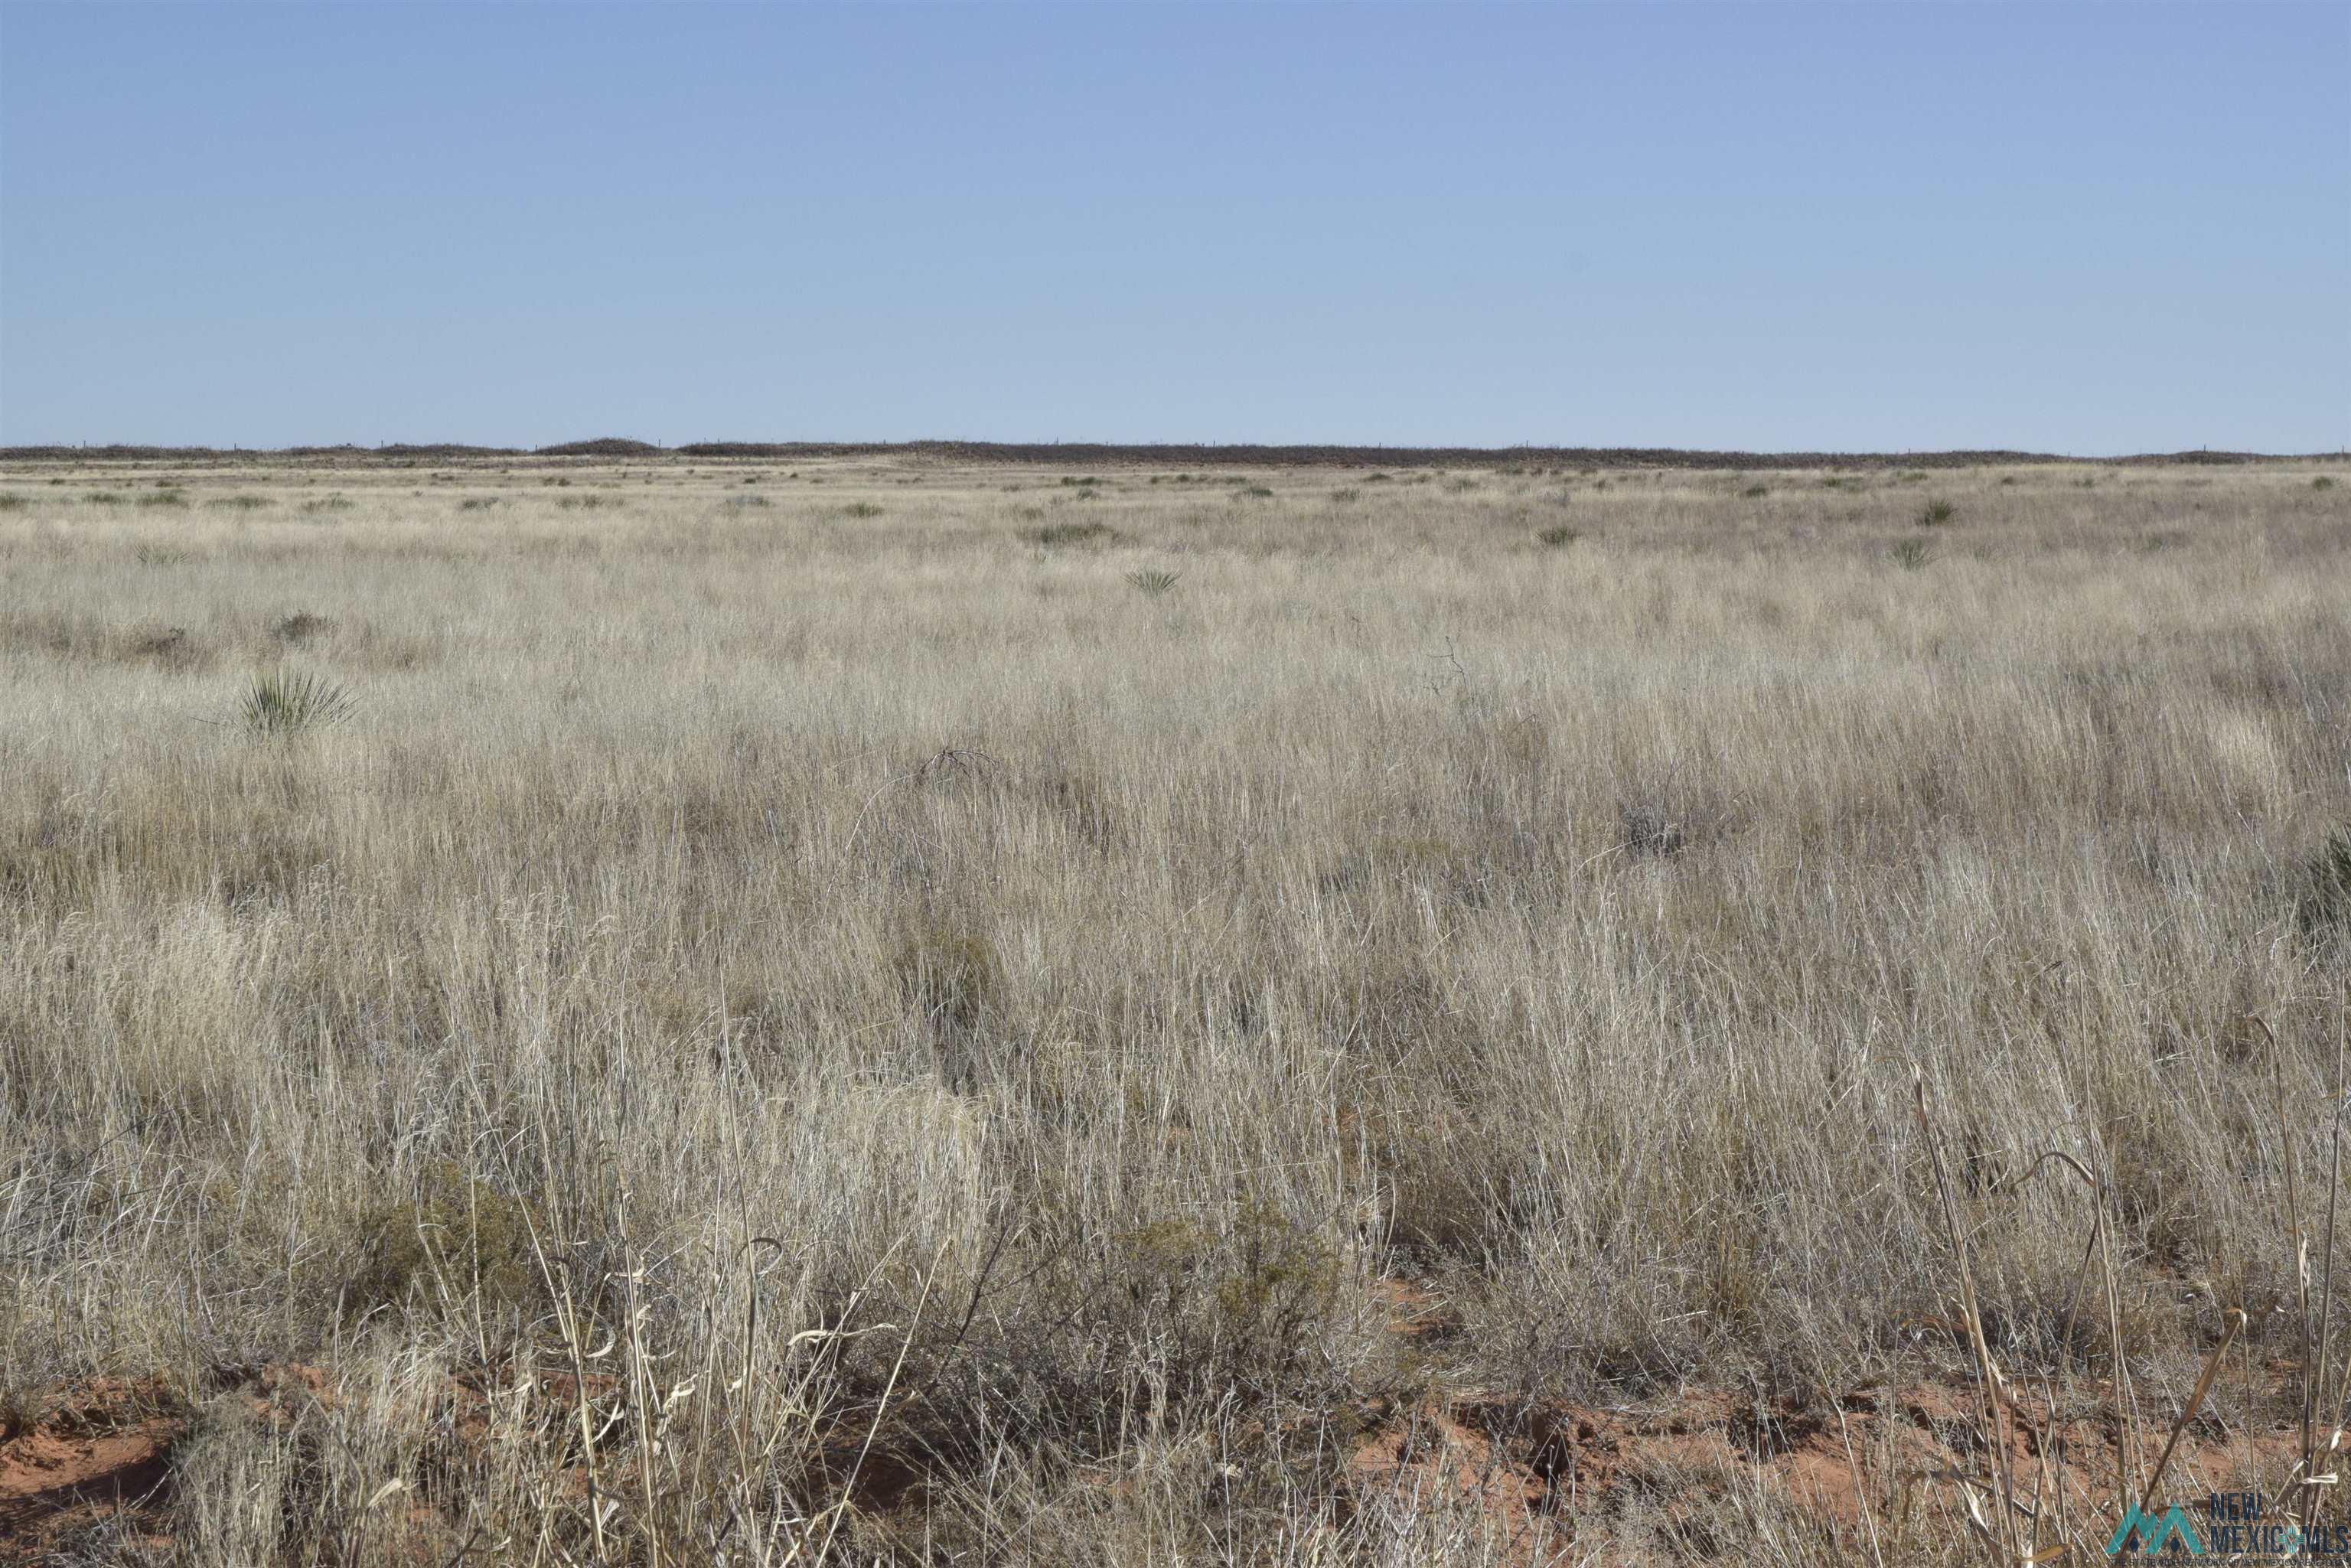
x: 1104, y: 454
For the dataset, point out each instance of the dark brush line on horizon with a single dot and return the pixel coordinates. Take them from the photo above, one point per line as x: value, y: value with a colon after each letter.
x: 1104, y: 452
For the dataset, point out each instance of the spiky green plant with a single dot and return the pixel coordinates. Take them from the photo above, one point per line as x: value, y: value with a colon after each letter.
x: 1152, y: 582
x: 283, y: 704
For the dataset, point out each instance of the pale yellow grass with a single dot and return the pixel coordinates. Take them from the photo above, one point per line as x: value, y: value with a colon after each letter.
x: 947, y: 1005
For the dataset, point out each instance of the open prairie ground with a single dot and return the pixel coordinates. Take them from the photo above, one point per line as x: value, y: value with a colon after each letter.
x: 866, y: 1010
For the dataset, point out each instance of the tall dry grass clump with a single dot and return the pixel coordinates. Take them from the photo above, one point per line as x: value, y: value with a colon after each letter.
x: 828, y: 1032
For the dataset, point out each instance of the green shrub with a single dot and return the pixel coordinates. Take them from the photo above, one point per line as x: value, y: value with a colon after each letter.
x: 13, y: 503
x: 1934, y: 515
x: 1152, y: 582
x: 1559, y: 536
x: 105, y: 498
x: 1057, y: 533
x: 1911, y: 554
x: 2321, y: 483
x: 1239, y: 1308
x: 1345, y: 497
x: 1752, y: 491
x: 163, y: 498
x: 240, y: 503
x: 457, y: 1237
x: 860, y: 509
x: 1283, y: 1279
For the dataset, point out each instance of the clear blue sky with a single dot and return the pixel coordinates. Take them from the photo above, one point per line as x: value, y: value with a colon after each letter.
x: 2088, y: 228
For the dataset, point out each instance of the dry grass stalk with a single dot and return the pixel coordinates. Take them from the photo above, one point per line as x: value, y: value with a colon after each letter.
x: 725, y: 929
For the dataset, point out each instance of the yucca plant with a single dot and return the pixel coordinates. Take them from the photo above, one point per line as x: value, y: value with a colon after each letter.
x: 282, y: 703
x: 1152, y: 582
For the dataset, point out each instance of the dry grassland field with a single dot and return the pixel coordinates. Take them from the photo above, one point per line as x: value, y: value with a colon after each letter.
x: 872, y: 1008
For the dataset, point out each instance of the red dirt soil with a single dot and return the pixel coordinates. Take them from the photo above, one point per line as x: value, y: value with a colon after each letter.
x: 100, y: 1452
x: 97, y: 1450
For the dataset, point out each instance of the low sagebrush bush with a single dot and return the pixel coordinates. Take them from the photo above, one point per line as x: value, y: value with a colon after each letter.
x: 1237, y: 1310
x: 1073, y: 534
x: 457, y: 1237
